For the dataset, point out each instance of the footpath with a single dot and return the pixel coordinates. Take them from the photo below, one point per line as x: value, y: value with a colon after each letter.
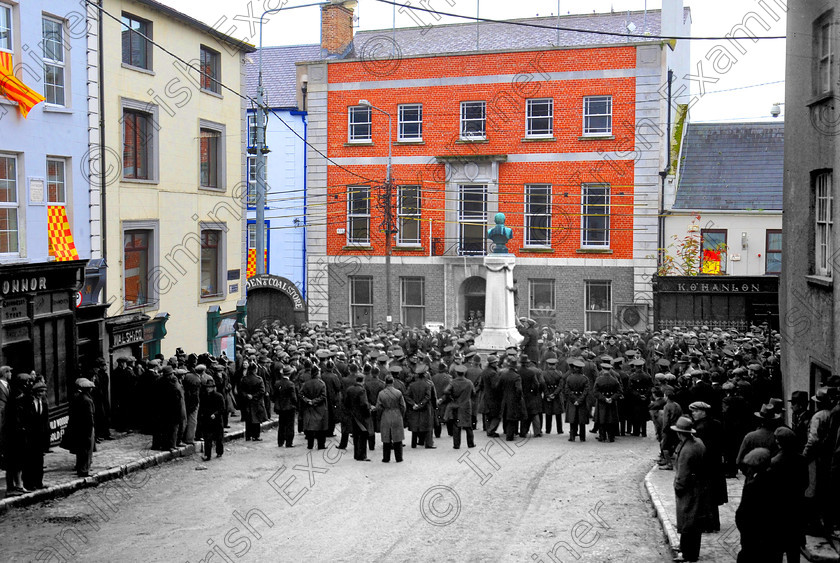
x: 724, y: 545
x: 113, y: 459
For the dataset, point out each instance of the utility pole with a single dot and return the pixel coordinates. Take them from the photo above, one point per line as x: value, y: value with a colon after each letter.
x: 262, y: 151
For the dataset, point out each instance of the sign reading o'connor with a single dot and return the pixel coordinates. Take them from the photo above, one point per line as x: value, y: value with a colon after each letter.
x: 268, y: 281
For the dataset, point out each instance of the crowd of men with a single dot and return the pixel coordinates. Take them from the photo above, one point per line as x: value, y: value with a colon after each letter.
x: 713, y: 391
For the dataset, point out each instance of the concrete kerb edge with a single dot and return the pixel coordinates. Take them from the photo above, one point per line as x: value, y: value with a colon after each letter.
x: 668, y: 529
x: 67, y: 489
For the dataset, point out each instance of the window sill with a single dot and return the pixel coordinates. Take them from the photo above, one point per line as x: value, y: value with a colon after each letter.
x: 212, y: 189
x: 409, y: 143
x: 212, y: 93
x: 527, y: 139
x: 358, y: 144
x: 820, y: 99
x: 138, y: 181
x: 7, y: 102
x: 536, y: 249
x: 594, y: 251
x: 409, y: 248
x: 57, y: 109
x: 211, y: 298
x: 139, y: 69
x: 357, y: 247
x: 475, y: 141
x: 819, y: 281
x: 596, y: 138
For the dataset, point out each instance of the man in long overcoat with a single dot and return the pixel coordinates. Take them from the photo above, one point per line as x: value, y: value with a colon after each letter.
x: 285, y: 405
x: 710, y: 431
x: 252, y: 403
x: 356, y: 404
x: 441, y: 380
x: 459, y: 397
x: 532, y: 389
x: 79, y: 435
x: 553, y: 397
x: 607, y: 392
x: 314, y: 421
x: 689, y: 488
x: 391, y: 407
x: 512, y: 407
x: 418, y: 417
x: 577, y: 396
x: 490, y: 401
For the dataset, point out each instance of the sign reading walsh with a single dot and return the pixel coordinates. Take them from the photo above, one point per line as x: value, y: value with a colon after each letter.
x: 267, y: 281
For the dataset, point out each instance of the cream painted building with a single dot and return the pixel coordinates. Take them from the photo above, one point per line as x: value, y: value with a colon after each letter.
x: 175, y: 170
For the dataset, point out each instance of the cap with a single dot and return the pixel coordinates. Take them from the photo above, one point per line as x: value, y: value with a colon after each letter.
x: 460, y: 368
x: 83, y: 383
x: 699, y: 405
x: 758, y: 458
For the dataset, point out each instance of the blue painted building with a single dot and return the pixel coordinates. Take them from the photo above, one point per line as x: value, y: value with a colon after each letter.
x: 286, y: 202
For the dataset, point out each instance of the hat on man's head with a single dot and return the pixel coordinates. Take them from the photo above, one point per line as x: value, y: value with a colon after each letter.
x: 168, y: 370
x: 757, y: 458
x: 768, y: 412
x: 799, y: 397
x: 684, y: 425
x: 578, y: 363
x: 83, y: 383
x: 492, y: 359
x: 551, y: 361
x: 699, y: 406
x: 461, y: 368
x: 637, y: 362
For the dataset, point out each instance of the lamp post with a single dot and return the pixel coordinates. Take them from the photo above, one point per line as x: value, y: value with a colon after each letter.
x: 261, y: 149
x: 389, y: 227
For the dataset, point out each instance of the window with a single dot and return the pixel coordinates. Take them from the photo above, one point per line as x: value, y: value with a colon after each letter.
x: 56, y: 191
x: 713, y: 251
x: 8, y: 205
x: 411, y: 122
x: 408, y: 215
x: 541, y: 293
x: 136, y: 267
x: 359, y: 126
x: 413, y: 301
x: 136, y: 49
x: 358, y: 215
x: 211, y: 70
x: 252, y: 234
x: 210, y: 263
x: 252, y: 130
x: 5, y: 28
x: 539, y: 117
x: 773, y: 252
x: 137, y: 145
x: 824, y: 212
x: 537, y: 215
x: 252, y: 181
x: 472, y: 219
x: 473, y: 120
x: 53, y: 53
x: 598, y: 300
x: 823, y: 53
x: 595, y: 215
x: 210, y: 161
x: 597, y: 115
x: 361, y: 300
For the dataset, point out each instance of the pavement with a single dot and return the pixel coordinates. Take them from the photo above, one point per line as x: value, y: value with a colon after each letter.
x: 723, y: 545
x: 125, y: 454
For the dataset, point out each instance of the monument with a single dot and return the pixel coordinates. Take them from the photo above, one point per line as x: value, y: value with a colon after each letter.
x: 500, y: 330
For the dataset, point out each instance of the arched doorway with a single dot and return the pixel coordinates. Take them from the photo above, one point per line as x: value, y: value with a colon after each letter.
x: 473, y: 290
x: 274, y: 298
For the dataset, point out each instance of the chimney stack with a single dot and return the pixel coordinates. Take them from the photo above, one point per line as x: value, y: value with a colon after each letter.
x: 336, y: 28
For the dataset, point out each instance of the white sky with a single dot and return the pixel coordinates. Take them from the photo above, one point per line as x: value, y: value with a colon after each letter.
x: 763, y: 62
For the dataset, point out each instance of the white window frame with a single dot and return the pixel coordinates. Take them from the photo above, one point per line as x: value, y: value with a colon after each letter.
x: 467, y: 135
x: 221, y: 259
x: 251, y: 230
x: 153, y: 297
x: 352, y: 304
x: 404, y: 215
x: 63, y: 162
x: 464, y: 217
x: 252, y: 129
x: 531, y: 217
x: 532, y: 305
x: 251, y: 191
x: 404, y: 306
x: 363, y: 216
x: 60, y: 65
x: 11, y: 29
x: 529, y: 118
x: 587, y: 287
x: 585, y: 242
x: 591, y: 131
x: 221, y: 155
x: 823, y: 222
x: 401, y: 109
x: 823, y: 53
x: 14, y: 205
x: 351, y: 123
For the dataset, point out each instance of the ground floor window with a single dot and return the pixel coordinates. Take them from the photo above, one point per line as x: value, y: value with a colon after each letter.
x: 413, y: 301
x: 541, y: 295
x: 598, y: 302
x: 361, y: 300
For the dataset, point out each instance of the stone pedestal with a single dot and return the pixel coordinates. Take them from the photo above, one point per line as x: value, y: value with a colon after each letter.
x: 499, y: 314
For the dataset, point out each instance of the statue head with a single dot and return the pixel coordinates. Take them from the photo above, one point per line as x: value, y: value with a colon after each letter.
x: 500, y: 218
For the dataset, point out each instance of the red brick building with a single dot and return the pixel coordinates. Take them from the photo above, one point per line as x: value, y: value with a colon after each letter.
x: 567, y: 141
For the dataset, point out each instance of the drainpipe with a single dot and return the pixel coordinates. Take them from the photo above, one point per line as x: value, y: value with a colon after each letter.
x: 664, y: 174
x: 305, y: 129
x: 103, y: 203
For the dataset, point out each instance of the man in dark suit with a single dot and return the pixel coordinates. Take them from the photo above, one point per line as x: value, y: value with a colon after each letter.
x: 285, y: 405
x: 577, y: 395
x: 512, y: 408
x: 490, y: 401
x: 79, y: 435
x: 359, y: 411
x: 37, y: 438
x: 532, y: 390
x: 459, y: 396
x: 211, y: 420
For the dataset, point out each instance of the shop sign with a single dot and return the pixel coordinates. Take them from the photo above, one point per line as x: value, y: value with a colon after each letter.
x: 128, y: 337
x: 14, y: 310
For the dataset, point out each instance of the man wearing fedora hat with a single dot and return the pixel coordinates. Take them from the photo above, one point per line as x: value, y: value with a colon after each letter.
x: 710, y: 431
x: 689, y: 487
x: 210, y: 418
x: 761, y: 437
x: 817, y: 452
x: 79, y: 436
x: 800, y: 416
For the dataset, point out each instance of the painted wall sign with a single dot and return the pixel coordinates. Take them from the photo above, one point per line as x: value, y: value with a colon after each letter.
x: 268, y: 281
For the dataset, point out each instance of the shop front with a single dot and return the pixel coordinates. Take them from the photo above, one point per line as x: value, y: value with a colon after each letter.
x: 221, y: 329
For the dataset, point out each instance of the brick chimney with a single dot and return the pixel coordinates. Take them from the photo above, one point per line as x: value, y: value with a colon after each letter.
x: 336, y: 28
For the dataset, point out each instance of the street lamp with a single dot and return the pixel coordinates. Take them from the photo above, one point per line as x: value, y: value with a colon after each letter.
x: 261, y: 119
x: 389, y: 231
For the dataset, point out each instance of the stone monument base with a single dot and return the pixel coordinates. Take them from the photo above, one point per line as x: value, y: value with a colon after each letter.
x: 500, y: 330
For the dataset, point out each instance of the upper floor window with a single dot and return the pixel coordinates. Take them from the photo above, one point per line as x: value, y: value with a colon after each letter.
x: 472, y: 219
x: 408, y: 215
x: 53, y: 53
x: 56, y: 183
x: 8, y: 205
x: 713, y: 251
x: 823, y: 222
x: 773, y: 252
x: 136, y: 49
x: 211, y: 158
x: 823, y: 53
x: 597, y: 115
x: 473, y: 120
x: 252, y: 129
x: 137, y: 145
x: 539, y: 117
x: 595, y: 215
x: 137, y: 267
x: 211, y: 262
x: 211, y: 70
x: 252, y: 182
x: 359, y: 124
x: 410, y: 122
x: 358, y: 215
x: 537, y: 215
x: 5, y: 28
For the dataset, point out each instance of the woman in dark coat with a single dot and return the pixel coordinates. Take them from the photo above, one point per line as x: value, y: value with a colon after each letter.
x: 79, y: 436
x: 313, y: 397
x: 418, y: 398
x: 391, y: 407
x: 252, y: 402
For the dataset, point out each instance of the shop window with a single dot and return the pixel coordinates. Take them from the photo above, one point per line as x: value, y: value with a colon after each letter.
x: 598, y: 301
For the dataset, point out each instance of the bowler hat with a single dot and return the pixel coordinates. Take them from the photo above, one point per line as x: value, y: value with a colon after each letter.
x: 799, y: 397
x: 684, y: 425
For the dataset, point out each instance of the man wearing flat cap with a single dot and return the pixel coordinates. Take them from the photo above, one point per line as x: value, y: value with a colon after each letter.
x: 689, y: 487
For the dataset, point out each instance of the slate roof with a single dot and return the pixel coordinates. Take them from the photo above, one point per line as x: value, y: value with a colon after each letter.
x: 279, y: 73
x: 732, y: 166
x: 460, y: 37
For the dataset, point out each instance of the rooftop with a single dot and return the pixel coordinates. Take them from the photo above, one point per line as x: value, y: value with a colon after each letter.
x: 279, y: 72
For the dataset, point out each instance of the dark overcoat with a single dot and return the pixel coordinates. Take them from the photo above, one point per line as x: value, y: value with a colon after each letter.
x: 252, y: 403
x: 532, y: 388
x: 607, y: 392
x: 459, y: 396
x: 78, y: 435
x: 576, y: 392
x: 358, y: 408
x: 689, y: 483
x: 512, y: 405
x: 418, y: 403
x: 313, y: 395
x: 553, y: 397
